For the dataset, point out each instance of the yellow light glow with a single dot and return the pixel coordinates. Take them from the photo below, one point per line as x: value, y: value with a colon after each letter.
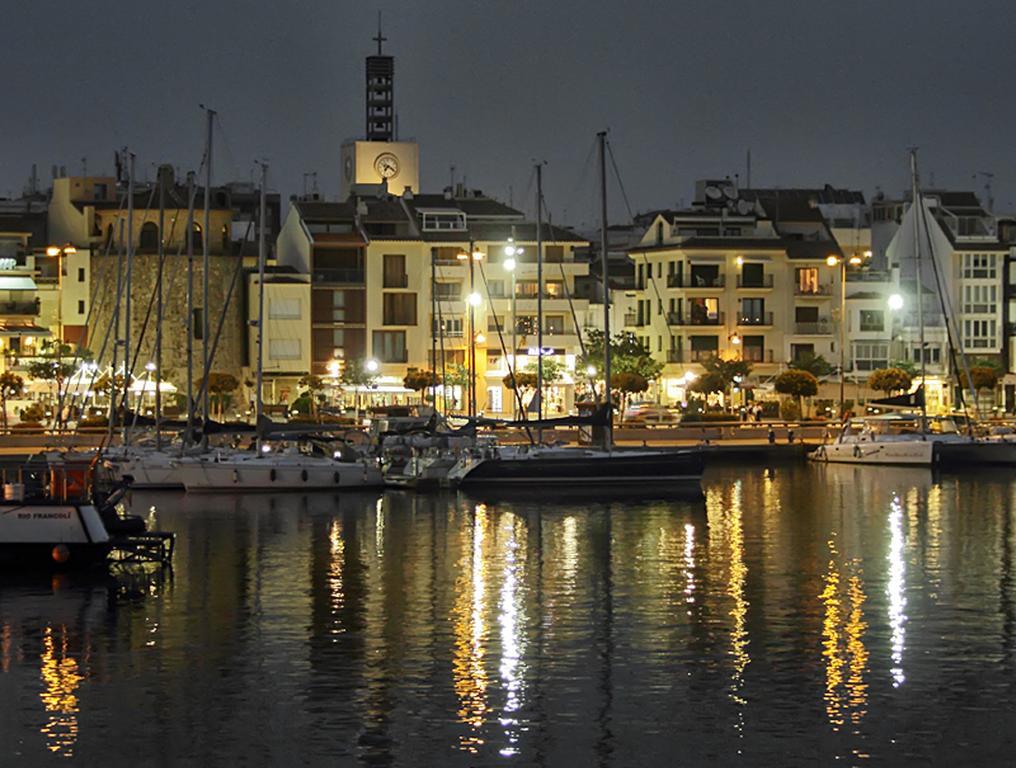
x: 462, y: 256
x: 69, y: 249
x: 856, y: 261
x: 475, y: 299
x: 740, y: 261
x: 831, y: 260
x: 480, y: 338
x: 52, y: 251
x: 477, y: 255
x: 735, y: 339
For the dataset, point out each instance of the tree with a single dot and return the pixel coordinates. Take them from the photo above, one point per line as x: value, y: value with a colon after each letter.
x: 627, y: 384
x: 725, y: 372
x: 984, y: 377
x: 220, y: 386
x: 55, y: 370
x: 814, y: 364
x: 627, y: 355
x: 889, y: 380
x: 356, y: 376
x: 708, y: 383
x: 314, y: 384
x: 527, y: 378
x: 419, y: 380
x: 11, y: 385
x: 797, y: 384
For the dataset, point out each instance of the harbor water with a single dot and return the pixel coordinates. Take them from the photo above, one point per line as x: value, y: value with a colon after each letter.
x: 801, y: 615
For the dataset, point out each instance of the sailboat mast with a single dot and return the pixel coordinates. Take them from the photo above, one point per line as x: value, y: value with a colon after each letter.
x: 127, y: 297
x: 605, y: 284
x: 158, y: 314
x: 539, y: 295
x: 918, y: 211
x: 258, y: 400
x: 206, y: 263
x: 114, y: 391
x: 189, y: 320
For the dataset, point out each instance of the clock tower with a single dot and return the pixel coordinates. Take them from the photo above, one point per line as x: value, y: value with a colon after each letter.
x: 381, y: 158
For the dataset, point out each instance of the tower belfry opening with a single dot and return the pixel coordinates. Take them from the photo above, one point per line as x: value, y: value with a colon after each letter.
x: 380, y: 92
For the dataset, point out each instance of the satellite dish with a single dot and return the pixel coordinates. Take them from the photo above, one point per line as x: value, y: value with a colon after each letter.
x: 730, y: 191
x: 744, y: 207
x: 713, y: 192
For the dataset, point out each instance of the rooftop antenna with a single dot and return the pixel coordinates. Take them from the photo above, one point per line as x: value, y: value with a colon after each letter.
x: 451, y: 172
x: 747, y: 175
x: 84, y: 166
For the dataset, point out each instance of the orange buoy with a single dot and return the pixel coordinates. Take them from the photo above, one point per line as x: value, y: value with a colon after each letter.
x: 61, y: 553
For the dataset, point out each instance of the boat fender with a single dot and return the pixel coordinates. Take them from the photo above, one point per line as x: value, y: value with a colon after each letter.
x: 336, y: 478
x: 236, y: 477
x: 61, y: 553
x: 271, y: 475
x: 303, y: 475
x: 857, y: 451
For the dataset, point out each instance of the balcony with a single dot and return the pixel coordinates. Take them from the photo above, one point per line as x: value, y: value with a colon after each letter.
x: 814, y: 328
x: 813, y: 291
x: 695, y: 281
x: 630, y: 318
x: 674, y: 318
x: 697, y: 319
x: 690, y: 355
x: 20, y: 308
x: 764, y: 318
x: 766, y: 281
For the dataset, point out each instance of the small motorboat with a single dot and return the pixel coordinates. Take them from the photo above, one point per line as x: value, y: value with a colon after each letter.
x: 54, y: 516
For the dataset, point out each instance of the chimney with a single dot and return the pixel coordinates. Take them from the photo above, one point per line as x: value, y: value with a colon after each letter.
x: 166, y: 176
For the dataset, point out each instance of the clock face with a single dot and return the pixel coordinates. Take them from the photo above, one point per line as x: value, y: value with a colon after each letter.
x: 387, y: 165
x: 348, y: 168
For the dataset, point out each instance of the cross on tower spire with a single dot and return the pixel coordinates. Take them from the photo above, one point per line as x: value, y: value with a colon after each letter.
x: 380, y: 38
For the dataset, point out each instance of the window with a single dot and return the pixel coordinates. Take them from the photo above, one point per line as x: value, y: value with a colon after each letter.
x: 753, y: 275
x: 495, y: 360
x: 148, y: 241
x: 979, y: 334
x: 494, y: 401
x: 81, y: 274
x: 399, y: 309
x: 495, y: 323
x: 806, y: 314
x: 806, y: 280
x: 496, y: 288
x: 704, y: 347
x: 338, y: 306
x: 338, y: 343
x: 932, y: 353
x: 526, y: 289
x: 869, y: 356
x: 872, y: 320
x: 980, y: 299
x: 753, y: 311
x: 395, y: 271
x: 553, y: 289
x: 705, y: 276
x: 390, y: 346
x: 753, y: 348
x: 553, y: 254
x: 438, y: 221
x: 979, y: 266
x: 452, y: 327
x: 704, y: 311
x: 800, y: 351
x: 81, y: 306
x: 526, y: 325
x: 553, y: 324
x: 283, y: 349
x: 448, y: 291
x: 284, y: 309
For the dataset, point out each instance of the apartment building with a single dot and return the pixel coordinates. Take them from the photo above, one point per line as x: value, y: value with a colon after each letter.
x: 738, y: 274
x: 391, y: 281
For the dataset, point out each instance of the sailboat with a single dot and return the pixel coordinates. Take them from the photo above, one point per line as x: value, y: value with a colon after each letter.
x: 906, y: 435
x: 265, y: 469
x: 579, y: 467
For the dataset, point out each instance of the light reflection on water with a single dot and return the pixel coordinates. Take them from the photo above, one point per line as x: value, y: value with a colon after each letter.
x: 818, y: 613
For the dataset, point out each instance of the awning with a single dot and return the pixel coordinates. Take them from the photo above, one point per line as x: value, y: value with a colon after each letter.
x: 26, y: 329
x: 147, y: 387
x: 17, y: 283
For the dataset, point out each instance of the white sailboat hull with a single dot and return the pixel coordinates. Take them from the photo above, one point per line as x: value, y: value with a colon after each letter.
x: 901, y: 452
x: 264, y: 474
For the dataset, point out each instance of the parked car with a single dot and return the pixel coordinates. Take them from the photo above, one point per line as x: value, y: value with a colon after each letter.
x: 649, y: 413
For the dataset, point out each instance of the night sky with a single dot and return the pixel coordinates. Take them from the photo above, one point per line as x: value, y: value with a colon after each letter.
x: 820, y: 91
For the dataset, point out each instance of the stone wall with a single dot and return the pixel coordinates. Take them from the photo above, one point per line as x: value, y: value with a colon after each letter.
x: 231, y: 354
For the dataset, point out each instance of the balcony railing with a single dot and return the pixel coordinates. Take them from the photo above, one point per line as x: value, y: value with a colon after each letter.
x: 630, y: 318
x: 763, y: 318
x: 819, y: 328
x: 696, y: 319
x: 825, y: 289
x: 694, y: 281
x: 766, y: 281
x: 674, y: 318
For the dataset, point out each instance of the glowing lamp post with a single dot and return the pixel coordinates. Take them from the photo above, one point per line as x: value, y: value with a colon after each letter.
x: 855, y: 261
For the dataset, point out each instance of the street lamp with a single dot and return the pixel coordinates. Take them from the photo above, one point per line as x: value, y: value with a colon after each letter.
x: 833, y: 260
x: 371, y: 366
